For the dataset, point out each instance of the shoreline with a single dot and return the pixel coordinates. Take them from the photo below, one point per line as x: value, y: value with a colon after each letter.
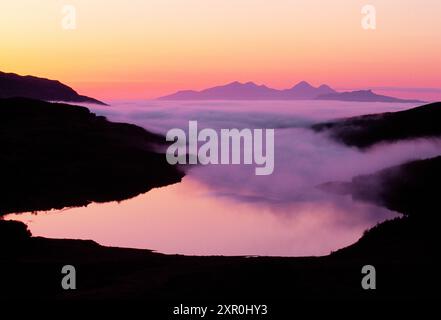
x: 119, y: 273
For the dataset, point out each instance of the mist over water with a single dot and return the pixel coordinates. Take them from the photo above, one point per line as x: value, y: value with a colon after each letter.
x: 303, y: 158
x: 227, y: 209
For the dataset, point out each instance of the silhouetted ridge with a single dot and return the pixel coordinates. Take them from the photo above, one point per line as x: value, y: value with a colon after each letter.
x: 57, y: 155
x: 251, y: 91
x: 13, y: 85
x: 411, y: 188
x: 365, y: 131
x: 363, y: 96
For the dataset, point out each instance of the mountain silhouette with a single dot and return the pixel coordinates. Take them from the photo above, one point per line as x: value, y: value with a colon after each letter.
x: 304, y: 90
x: 251, y: 91
x: 363, y: 96
x: 14, y: 85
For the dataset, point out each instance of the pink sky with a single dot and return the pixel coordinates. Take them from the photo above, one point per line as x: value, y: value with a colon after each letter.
x: 144, y: 49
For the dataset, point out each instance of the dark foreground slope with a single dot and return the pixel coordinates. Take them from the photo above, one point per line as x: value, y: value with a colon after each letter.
x: 411, y: 242
x: 365, y: 131
x: 13, y: 85
x: 30, y: 268
x: 411, y: 189
x: 57, y: 155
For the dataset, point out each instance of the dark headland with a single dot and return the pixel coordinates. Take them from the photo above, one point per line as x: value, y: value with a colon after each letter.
x: 13, y: 85
x: 57, y: 155
x: 365, y: 131
x: 404, y: 251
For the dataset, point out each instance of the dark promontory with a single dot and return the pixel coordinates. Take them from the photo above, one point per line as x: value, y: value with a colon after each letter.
x: 365, y: 131
x: 13, y: 85
x: 57, y: 155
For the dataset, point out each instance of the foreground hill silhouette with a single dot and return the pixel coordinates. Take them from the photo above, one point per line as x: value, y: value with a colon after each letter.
x: 365, y: 131
x: 13, y: 85
x: 411, y: 242
x: 57, y: 155
x: 403, y: 251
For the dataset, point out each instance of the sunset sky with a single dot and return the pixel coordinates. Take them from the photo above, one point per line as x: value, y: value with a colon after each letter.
x: 147, y: 48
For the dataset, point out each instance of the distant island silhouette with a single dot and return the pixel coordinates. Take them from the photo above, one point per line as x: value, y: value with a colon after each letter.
x: 14, y: 85
x: 251, y: 91
x: 301, y: 91
x: 363, y: 96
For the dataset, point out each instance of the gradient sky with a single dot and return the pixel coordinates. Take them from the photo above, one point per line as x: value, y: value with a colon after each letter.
x: 143, y: 49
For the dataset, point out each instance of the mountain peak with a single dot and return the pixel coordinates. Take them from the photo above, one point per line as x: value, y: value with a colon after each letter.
x: 302, y: 85
x: 241, y: 84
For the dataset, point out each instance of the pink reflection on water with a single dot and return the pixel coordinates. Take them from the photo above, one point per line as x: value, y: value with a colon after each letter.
x: 185, y: 219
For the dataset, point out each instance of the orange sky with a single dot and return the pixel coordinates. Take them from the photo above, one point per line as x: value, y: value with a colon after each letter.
x: 146, y: 48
